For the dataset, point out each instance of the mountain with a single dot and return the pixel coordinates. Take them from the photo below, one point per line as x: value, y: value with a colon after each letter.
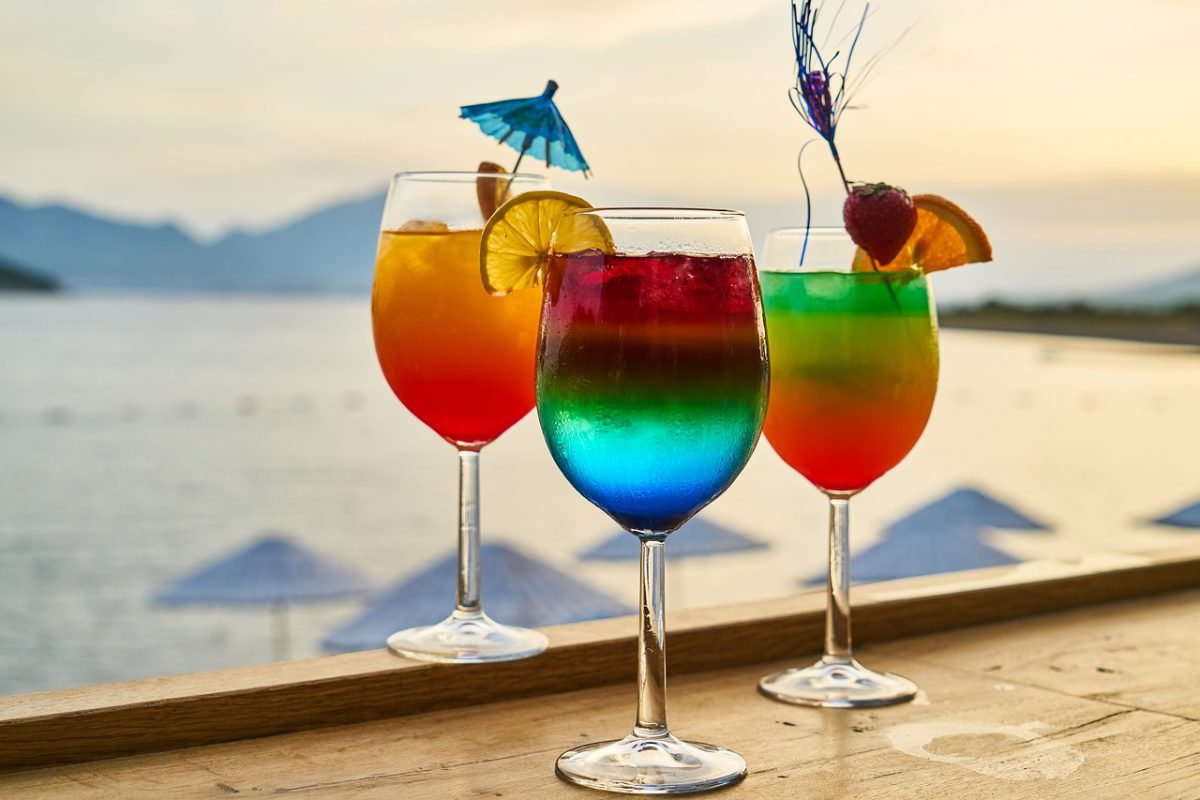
x: 89, y: 252
x: 329, y: 250
x: 18, y: 279
x: 1178, y: 291
x: 332, y: 249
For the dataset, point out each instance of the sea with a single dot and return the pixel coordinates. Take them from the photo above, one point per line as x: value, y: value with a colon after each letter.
x: 142, y: 437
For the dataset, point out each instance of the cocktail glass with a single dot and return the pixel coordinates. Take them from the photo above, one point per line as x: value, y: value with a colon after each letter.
x: 651, y: 390
x: 854, y: 365
x: 462, y: 362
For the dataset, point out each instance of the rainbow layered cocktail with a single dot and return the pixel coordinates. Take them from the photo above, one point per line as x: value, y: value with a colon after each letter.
x: 652, y: 384
x: 651, y: 380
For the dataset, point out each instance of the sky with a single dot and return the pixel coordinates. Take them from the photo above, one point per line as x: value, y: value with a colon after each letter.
x: 1068, y: 127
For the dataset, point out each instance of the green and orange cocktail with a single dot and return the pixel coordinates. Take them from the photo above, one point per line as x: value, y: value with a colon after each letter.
x: 854, y: 365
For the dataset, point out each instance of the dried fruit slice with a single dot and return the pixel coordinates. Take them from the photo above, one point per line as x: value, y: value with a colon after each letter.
x: 492, y: 192
x: 516, y: 240
x: 945, y: 237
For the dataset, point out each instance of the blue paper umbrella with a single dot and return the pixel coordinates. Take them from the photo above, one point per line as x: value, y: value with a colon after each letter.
x: 271, y: 572
x: 530, y: 125
x: 518, y: 589
x: 697, y: 537
x: 943, y: 536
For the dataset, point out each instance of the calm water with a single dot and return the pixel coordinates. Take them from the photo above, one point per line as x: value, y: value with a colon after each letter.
x: 140, y: 438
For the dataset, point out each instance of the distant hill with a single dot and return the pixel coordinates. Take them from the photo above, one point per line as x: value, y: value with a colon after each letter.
x: 17, y: 279
x: 1177, y: 325
x: 1182, y: 290
x: 330, y: 250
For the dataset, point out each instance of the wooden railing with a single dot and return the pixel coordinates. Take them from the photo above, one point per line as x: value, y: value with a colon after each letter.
x: 98, y: 722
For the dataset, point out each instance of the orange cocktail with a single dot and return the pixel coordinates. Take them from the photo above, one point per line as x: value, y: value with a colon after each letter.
x: 462, y: 361
x: 459, y: 359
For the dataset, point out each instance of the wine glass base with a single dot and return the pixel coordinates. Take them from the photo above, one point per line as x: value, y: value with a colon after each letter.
x: 651, y: 765
x: 837, y: 683
x: 467, y: 639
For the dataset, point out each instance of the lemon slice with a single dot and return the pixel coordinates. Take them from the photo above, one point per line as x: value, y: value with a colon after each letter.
x: 516, y: 240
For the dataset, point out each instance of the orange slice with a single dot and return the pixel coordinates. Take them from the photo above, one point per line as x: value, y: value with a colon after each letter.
x: 945, y: 236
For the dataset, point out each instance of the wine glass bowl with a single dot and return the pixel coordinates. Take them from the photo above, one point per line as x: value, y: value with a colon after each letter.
x: 460, y: 360
x: 657, y: 355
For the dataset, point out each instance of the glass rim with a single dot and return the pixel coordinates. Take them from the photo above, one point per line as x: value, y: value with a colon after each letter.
x: 814, y: 230
x: 908, y: 273
x: 460, y: 175
x: 825, y: 232
x: 659, y: 213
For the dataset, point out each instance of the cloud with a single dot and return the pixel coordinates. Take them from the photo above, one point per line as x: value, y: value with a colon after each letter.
x: 247, y: 110
x: 471, y: 27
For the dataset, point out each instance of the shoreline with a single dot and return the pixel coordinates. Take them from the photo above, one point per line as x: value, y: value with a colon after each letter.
x: 1181, y: 327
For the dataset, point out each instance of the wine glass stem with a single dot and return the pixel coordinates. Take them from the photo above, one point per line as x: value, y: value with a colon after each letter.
x: 837, y: 606
x: 468, y: 601
x: 652, y: 652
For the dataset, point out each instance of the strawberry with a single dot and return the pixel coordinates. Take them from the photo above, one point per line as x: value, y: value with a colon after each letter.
x: 879, y: 218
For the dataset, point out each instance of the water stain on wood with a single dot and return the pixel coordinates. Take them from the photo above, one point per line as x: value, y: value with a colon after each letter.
x: 1008, y: 752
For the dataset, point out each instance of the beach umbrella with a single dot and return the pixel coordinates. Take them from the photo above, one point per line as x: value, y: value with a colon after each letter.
x: 943, y: 536
x: 1186, y: 517
x: 698, y: 537
x: 520, y: 590
x: 272, y: 572
x: 530, y: 125
x: 966, y: 507
x: 695, y: 539
x: 931, y: 552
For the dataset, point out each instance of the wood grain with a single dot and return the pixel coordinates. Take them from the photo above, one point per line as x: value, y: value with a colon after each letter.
x: 164, y: 714
x: 976, y: 736
x: 1133, y: 655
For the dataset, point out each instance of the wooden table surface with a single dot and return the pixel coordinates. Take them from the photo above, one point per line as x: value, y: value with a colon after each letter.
x: 1098, y: 702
